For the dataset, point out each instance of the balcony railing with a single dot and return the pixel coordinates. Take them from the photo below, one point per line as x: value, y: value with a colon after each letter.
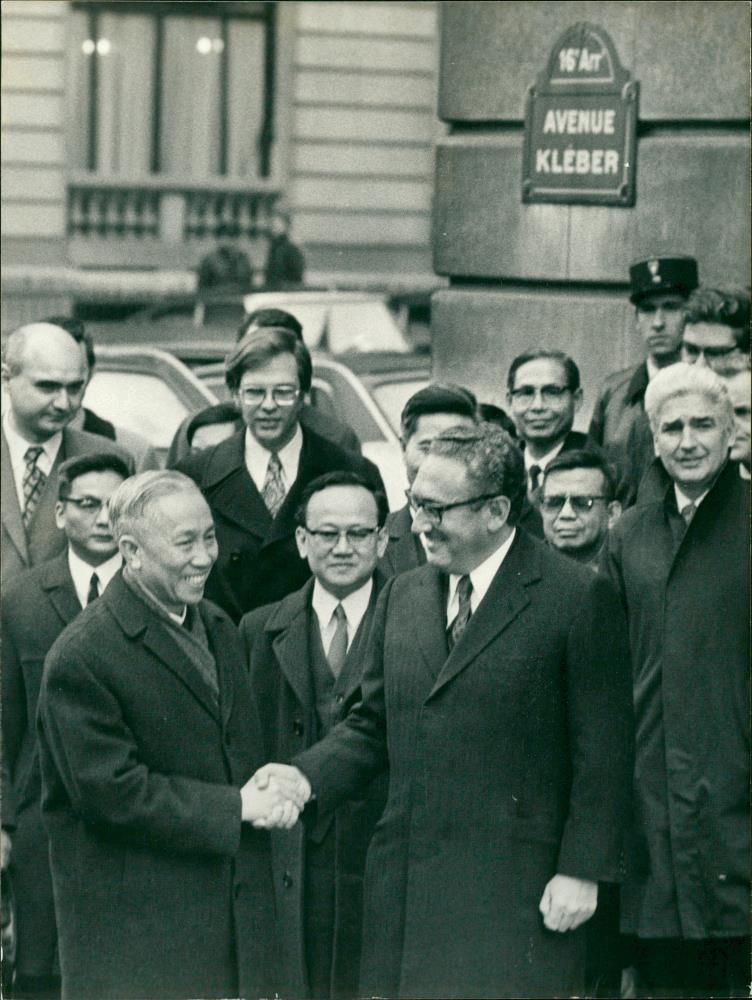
x: 112, y: 219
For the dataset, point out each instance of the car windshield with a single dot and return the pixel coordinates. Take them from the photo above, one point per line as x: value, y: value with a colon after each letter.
x: 391, y: 398
x: 354, y: 326
x: 137, y: 401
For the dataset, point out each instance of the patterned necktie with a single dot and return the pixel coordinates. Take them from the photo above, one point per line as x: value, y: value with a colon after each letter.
x: 688, y: 513
x: 93, y: 589
x: 458, y: 626
x: 338, y: 646
x: 273, y: 490
x: 33, y: 483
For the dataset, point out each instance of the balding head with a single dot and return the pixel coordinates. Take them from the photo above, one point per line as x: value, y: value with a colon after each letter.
x: 44, y: 372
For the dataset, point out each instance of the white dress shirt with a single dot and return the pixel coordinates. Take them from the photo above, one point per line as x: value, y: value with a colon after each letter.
x: 257, y: 459
x: 541, y: 462
x: 354, y: 605
x: 81, y: 572
x: 682, y: 499
x: 480, y: 578
x: 17, y: 448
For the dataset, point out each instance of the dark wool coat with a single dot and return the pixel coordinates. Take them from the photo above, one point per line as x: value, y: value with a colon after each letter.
x: 276, y: 641
x: 158, y: 890
x: 509, y: 761
x: 687, y: 603
x: 36, y: 607
x: 258, y: 559
x: 404, y: 550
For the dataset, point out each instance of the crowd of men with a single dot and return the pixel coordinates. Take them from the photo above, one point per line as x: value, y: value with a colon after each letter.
x: 492, y: 744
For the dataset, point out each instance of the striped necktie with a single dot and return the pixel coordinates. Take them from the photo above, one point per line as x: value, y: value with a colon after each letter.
x: 33, y: 482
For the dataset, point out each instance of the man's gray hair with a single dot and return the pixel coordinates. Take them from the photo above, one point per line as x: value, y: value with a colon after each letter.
x: 129, y: 504
x: 492, y: 459
x: 682, y: 379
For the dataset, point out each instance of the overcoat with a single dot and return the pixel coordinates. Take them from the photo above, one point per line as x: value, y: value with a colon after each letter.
x: 509, y: 761
x: 25, y: 547
x: 158, y: 890
x: 404, y: 550
x: 687, y: 602
x: 258, y: 559
x: 36, y: 607
x: 276, y: 642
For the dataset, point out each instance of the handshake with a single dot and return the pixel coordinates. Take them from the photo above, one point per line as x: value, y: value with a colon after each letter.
x: 274, y: 797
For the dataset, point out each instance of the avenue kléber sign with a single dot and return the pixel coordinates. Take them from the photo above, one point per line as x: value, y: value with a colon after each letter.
x: 580, y: 124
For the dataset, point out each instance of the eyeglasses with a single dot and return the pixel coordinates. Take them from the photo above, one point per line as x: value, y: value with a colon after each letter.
x: 525, y: 395
x: 435, y: 511
x: 254, y: 395
x: 712, y: 355
x: 580, y: 504
x: 89, y: 505
x: 329, y: 537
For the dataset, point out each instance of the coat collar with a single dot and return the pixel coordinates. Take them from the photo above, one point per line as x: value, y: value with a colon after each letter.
x: 139, y: 622
x: 56, y: 581
x: 11, y: 511
x: 637, y: 384
x: 505, y: 599
x: 399, y: 524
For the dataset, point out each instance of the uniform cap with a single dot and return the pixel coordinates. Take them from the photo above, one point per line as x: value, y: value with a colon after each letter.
x: 677, y: 274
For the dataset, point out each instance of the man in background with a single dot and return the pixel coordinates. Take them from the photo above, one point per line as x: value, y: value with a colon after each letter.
x: 716, y: 331
x: 36, y: 607
x: 659, y: 290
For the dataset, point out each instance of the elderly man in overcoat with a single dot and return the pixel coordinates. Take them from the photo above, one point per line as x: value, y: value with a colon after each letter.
x: 501, y: 701
x: 148, y: 736
x: 681, y: 564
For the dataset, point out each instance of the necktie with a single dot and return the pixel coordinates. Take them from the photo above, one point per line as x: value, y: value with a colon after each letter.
x: 534, y: 472
x: 33, y: 483
x: 458, y: 626
x: 338, y: 646
x: 273, y: 490
x: 93, y: 589
x: 688, y: 513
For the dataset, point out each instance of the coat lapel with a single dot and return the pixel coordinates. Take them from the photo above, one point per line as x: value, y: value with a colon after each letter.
x: 11, y: 511
x: 289, y: 627
x: 352, y: 672
x: 57, y: 583
x: 232, y: 492
x: 224, y: 657
x: 505, y: 599
x: 428, y: 611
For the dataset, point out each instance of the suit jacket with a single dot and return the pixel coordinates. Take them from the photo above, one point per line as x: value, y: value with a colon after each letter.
x: 404, y: 550
x: 687, y: 599
x: 276, y: 641
x: 22, y: 549
x: 159, y: 891
x: 620, y: 426
x: 36, y: 608
x: 144, y: 456
x: 509, y: 761
x: 258, y: 560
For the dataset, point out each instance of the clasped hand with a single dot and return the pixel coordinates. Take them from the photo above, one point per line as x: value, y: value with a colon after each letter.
x: 274, y: 797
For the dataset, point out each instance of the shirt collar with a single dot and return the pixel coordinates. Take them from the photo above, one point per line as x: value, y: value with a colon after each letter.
x: 480, y: 577
x: 744, y: 471
x: 544, y: 461
x: 18, y: 445
x: 652, y: 367
x: 257, y: 458
x: 355, y: 605
x: 682, y: 500
x: 134, y: 582
x: 81, y: 571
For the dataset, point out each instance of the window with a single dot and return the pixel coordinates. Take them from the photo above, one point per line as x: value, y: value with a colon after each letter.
x: 184, y: 89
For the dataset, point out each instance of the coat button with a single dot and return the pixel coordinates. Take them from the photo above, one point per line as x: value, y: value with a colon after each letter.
x: 297, y: 727
x: 287, y: 880
x: 234, y: 557
x: 722, y: 877
x: 340, y: 699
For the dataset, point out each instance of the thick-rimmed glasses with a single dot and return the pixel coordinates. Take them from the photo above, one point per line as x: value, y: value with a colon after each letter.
x: 435, y: 511
x: 579, y: 504
x: 525, y: 395
x: 329, y: 537
x: 87, y: 505
x: 282, y: 395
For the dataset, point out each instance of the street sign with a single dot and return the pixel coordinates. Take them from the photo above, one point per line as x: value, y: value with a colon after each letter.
x: 580, y: 124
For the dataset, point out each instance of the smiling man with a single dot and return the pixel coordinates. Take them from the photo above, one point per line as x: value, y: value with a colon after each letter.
x: 44, y: 375
x: 148, y: 737
x: 659, y: 287
x: 254, y: 480
x: 681, y: 564
x: 501, y: 704
x: 36, y: 607
x: 306, y: 657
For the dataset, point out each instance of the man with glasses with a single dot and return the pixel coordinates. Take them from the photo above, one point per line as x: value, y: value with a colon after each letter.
x: 253, y: 481
x: 681, y: 564
x: 306, y: 656
x: 44, y: 375
x: 36, y: 607
x: 502, y: 706
x: 659, y: 287
x: 577, y: 504
x: 716, y: 332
